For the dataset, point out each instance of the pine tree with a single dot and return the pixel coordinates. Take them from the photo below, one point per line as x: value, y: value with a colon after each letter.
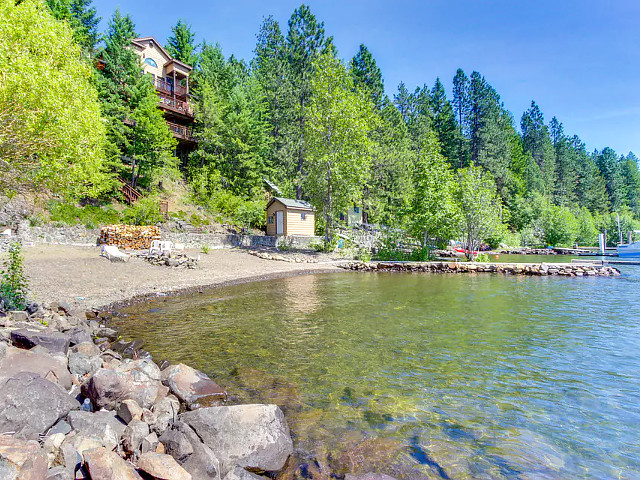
x: 444, y: 123
x: 367, y: 76
x: 610, y: 169
x: 566, y: 169
x: 536, y: 140
x: 181, y: 45
x: 82, y: 18
x: 460, y: 104
x: 402, y: 101
x: 631, y: 175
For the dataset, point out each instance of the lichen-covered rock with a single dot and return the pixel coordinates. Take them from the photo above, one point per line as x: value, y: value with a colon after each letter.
x: 251, y: 436
x: 103, y: 426
x: 192, y: 386
x: 104, y: 464
x: 162, y: 467
x: 30, y: 405
x: 138, y: 380
x: 21, y: 460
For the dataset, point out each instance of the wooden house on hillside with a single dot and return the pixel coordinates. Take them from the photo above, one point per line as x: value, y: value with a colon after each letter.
x: 287, y: 216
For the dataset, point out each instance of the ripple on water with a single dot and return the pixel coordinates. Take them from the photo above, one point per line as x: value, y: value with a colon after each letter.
x: 425, y: 376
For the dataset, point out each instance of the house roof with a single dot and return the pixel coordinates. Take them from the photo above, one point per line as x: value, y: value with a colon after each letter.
x: 140, y: 43
x: 291, y: 203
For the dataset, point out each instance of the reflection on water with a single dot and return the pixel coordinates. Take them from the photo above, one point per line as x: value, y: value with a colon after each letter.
x: 425, y: 376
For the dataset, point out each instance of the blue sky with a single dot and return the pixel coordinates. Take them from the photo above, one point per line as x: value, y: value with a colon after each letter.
x: 579, y: 60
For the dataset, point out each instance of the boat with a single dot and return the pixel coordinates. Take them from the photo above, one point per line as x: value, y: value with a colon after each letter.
x: 629, y: 249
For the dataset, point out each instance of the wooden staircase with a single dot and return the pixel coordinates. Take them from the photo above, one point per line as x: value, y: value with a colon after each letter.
x: 130, y: 194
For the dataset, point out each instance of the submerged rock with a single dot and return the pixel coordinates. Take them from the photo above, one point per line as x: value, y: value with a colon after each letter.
x: 192, y: 386
x: 251, y: 436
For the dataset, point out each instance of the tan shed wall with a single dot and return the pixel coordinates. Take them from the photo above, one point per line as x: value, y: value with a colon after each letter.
x: 294, y: 225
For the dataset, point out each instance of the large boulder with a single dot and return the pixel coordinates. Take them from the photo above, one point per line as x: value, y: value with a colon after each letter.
x: 162, y: 467
x: 103, y: 426
x: 21, y: 460
x: 182, y: 443
x: 251, y: 436
x: 137, y: 380
x: 192, y: 386
x: 30, y: 405
x: 49, y: 339
x: 104, y: 464
x: 81, y: 364
x: 51, y: 367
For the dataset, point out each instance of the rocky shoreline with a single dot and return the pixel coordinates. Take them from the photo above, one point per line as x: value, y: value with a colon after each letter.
x: 99, y: 408
x: 531, y: 269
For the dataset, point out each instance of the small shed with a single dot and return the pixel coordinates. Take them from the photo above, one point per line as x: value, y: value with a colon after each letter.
x: 287, y: 216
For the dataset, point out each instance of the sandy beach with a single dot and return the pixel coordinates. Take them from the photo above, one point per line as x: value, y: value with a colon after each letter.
x: 80, y: 276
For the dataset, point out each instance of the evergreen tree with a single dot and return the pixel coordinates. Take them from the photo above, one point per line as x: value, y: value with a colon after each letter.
x: 631, y: 176
x: 181, y: 44
x: 82, y: 18
x: 610, y: 168
x: 367, y: 76
x: 305, y: 42
x: 402, y: 101
x: 566, y: 165
x: 444, y: 123
x: 591, y: 191
x: 461, y: 109
x: 536, y: 141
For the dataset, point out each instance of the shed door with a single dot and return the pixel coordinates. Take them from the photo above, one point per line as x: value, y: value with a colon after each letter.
x: 279, y: 222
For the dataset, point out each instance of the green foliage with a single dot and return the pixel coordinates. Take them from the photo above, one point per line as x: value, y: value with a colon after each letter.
x: 145, y: 211
x: 481, y: 257
x: 82, y: 18
x: 181, y: 45
x: 14, y: 284
x: 559, y: 226
x: 90, y: 216
x: 51, y: 133
x: 205, y: 249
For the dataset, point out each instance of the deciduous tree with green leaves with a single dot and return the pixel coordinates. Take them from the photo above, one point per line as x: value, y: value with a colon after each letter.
x: 51, y: 133
x: 337, y: 141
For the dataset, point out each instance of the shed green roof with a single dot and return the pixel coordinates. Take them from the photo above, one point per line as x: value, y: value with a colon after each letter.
x: 292, y: 203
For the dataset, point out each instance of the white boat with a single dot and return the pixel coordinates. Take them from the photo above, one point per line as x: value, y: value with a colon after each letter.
x: 629, y: 249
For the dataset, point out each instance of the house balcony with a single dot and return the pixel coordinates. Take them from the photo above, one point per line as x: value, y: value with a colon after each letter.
x: 165, y: 88
x: 175, y: 106
x: 181, y: 132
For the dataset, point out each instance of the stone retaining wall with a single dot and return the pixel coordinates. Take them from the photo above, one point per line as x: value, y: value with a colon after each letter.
x: 542, y: 269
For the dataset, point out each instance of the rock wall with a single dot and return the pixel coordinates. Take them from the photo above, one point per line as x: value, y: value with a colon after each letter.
x: 542, y: 269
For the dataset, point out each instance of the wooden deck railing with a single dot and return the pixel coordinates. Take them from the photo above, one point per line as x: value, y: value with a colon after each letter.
x: 180, y: 131
x: 175, y: 105
x: 169, y: 89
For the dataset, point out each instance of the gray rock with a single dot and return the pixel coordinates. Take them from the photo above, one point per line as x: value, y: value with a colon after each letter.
x: 30, y: 405
x: 192, y: 386
x: 239, y: 473
x: 19, y: 316
x: 73, y: 446
x: 133, y: 379
x: 52, y: 448
x: 90, y: 349
x: 133, y: 435
x: 129, y: 410
x: 150, y: 443
x: 53, y: 368
x: 61, y: 426
x: 3, y: 350
x: 79, y: 335
x: 108, y: 333
x: 103, y: 426
x: 58, y: 473
x: 80, y: 364
x: 182, y: 443
x: 21, y: 460
x: 251, y: 436
x: 166, y: 412
x: 50, y: 339
x: 367, y: 476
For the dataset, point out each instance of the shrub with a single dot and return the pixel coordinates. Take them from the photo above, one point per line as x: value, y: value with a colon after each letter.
x: 205, y: 249
x: 90, y: 216
x: 145, y: 211
x: 559, y: 225
x: 13, y: 281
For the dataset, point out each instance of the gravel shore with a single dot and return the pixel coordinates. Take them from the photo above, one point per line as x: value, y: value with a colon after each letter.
x: 87, y: 280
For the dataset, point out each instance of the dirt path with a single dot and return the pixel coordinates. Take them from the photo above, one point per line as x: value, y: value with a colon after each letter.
x: 83, y: 278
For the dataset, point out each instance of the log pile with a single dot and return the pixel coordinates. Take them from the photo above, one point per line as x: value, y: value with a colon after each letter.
x: 131, y: 237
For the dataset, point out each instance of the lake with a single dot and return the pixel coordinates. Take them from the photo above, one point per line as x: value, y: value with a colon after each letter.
x: 425, y: 375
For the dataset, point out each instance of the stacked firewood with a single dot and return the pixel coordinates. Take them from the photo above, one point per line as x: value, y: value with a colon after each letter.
x: 129, y: 236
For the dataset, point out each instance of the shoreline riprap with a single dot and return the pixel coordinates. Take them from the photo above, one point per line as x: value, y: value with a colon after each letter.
x: 98, y: 405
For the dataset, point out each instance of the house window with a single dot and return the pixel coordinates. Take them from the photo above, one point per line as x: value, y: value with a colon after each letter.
x: 303, y: 216
x: 151, y: 61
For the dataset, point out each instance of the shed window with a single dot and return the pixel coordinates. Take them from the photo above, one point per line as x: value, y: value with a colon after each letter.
x: 303, y: 216
x: 151, y: 61
x: 269, y: 219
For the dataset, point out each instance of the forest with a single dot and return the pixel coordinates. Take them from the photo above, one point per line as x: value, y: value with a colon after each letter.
x: 319, y: 126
